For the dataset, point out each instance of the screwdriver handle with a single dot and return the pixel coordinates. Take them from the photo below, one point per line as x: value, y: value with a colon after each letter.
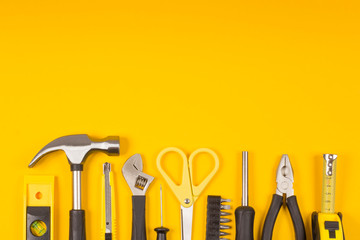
x: 244, y: 217
x: 138, y: 221
x: 161, y: 233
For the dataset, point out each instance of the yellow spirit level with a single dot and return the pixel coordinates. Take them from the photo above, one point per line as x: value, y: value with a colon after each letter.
x: 327, y: 225
x: 39, y: 207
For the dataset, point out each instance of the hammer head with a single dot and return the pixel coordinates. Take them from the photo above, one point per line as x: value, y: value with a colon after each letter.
x: 77, y: 148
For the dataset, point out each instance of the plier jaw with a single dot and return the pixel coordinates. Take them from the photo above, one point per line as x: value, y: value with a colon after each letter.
x: 284, y: 181
x: 285, y: 177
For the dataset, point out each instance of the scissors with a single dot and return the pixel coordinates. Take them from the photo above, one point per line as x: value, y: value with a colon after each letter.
x: 186, y: 192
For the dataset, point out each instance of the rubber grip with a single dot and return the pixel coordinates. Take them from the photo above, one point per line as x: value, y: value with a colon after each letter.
x: 77, y: 225
x: 161, y: 233
x: 270, y: 219
x: 296, y: 218
x: 244, y: 217
x: 138, y: 221
x: 108, y: 236
x: 342, y: 226
x: 315, y: 226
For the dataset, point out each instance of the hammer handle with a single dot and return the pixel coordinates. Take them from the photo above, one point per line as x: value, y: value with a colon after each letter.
x: 138, y: 221
x: 77, y: 225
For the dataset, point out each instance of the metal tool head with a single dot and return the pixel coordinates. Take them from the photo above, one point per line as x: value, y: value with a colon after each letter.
x: 136, y: 179
x: 285, y: 177
x: 77, y: 147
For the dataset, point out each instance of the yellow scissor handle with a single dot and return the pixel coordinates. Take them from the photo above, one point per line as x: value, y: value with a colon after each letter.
x: 187, y: 193
x: 198, y: 189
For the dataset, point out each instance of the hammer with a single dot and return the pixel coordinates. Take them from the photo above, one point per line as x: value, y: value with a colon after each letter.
x: 77, y: 148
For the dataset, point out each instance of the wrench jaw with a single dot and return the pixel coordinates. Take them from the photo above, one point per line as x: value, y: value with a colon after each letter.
x: 138, y: 181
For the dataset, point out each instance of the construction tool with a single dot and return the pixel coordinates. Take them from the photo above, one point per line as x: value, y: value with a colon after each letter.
x: 216, y: 218
x: 108, y: 225
x: 161, y: 231
x: 327, y: 224
x: 77, y: 148
x: 138, y: 183
x: 187, y: 193
x: 244, y: 215
x: 39, y: 207
x: 284, y: 190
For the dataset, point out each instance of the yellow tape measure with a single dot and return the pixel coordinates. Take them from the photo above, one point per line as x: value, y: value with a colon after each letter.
x: 329, y: 182
x: 327, y: 225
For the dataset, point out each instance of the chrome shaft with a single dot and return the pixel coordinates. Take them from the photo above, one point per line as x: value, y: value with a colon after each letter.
x: 76, y: 190
x: 161, y: 206
x: 245, y: 197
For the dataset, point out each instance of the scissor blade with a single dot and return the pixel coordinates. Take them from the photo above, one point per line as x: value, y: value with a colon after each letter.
x: 186, y: 222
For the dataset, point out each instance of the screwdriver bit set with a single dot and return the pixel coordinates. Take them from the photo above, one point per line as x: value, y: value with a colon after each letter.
x: 217, y: 218
x: 39, y: 197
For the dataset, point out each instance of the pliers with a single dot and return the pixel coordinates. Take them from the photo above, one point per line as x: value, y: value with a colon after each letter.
x: 284, y: 190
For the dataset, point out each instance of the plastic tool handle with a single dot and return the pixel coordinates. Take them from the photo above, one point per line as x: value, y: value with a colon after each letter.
x: 77, y: 225
x: 138, y: 221
x: 270, y: 219
x: 244, y: 217
x: 161, y: 233
x: 318, y: 222
x: 296, y: 218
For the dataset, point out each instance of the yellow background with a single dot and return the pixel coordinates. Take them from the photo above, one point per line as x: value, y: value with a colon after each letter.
x: 270, y: 77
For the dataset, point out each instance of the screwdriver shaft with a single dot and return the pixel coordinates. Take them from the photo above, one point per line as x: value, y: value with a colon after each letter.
x: 245, y: 197
x: 245, y: 214
x: 161, y: 206
x: 161, y: 231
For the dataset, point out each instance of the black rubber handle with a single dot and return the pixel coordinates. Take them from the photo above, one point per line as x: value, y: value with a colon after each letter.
x: 341, y: 216
x: 138, y: 221
x: 270, y: 219
x: 315, y: 226
x: 77, y: 225
x: 108, y: 236
x: 244, y: 217
x: 161, y: 233
x: 296, y: 218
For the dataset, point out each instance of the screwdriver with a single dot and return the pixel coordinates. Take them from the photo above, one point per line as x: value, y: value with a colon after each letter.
x: 161, y: 231
x: 244, y: 215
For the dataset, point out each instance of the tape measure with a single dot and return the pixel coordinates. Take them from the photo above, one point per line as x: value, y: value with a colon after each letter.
x: 39, y: 207
x: 327, y: 225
